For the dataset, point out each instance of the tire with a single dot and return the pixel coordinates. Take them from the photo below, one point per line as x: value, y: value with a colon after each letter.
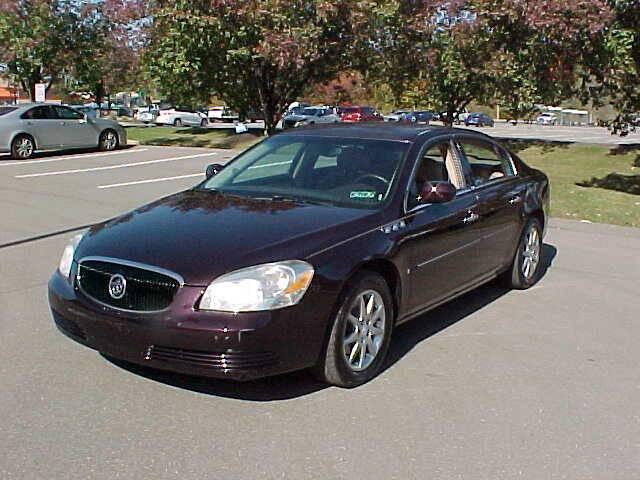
x: 108, y: 140
x: 203, y: 123
x: 177, y: 122
x: 22, y: 147
x: 344, y: 368
x: 517, y: 276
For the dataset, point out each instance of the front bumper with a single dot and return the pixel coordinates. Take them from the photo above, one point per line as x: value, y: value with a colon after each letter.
x: 241, y: 346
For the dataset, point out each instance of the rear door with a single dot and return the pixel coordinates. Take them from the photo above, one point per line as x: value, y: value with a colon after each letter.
x: 42, y: 123
x: 491, y: 173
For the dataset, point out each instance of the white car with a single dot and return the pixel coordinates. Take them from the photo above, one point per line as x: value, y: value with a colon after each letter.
x: 547, y: 118
x: 179, y: 117
x: 147, y: 114
x: 396, y: 116
x: 221, y: 114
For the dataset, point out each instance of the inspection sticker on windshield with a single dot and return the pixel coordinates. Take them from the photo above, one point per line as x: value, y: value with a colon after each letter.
x: 365, y: 194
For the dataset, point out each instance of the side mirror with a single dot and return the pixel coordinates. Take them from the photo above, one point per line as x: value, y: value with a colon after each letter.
x: 437, y: 192
x: 213, y: 169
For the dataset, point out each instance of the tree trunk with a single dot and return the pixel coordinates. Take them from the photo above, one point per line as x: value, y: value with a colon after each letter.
x: 450, y: 116
x: 99, y: 92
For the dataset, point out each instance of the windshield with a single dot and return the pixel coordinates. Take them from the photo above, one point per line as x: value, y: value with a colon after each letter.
x: 341, y: 172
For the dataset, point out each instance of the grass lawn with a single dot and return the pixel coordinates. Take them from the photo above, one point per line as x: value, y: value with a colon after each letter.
x: 588, y: 182
x: 191, y: 137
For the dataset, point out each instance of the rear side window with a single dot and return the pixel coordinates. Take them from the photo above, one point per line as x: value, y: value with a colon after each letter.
x: 5, y: 110
x: 485, y: 162
x: 43, y: 112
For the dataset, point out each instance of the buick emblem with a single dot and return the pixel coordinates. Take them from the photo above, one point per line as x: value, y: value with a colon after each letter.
x: 117, y: 286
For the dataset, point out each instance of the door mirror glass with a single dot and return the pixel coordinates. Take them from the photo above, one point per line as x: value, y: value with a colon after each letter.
x: 437, y: 192
x: 213, y: 169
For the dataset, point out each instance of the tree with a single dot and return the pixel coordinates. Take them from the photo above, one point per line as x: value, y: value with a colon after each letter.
x: 475, y: 50
x: 543, y: 46
x: 613, y: 69
x: 436, y: 50
x: 254, y: 55
x: 34, y: 39
x: 107, y: 44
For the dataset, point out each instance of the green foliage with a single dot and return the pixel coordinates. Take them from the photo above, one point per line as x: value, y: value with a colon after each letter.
x: 35, y: 34
x: 256, y: 56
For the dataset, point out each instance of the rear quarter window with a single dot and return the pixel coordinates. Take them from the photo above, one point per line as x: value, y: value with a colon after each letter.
x: 5, y: 110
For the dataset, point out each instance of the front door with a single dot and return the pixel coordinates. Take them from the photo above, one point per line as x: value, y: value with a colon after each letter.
x: 439, y: 241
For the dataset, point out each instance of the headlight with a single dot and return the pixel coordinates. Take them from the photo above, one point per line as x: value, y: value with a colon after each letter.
x: 264, y: 287
x: 67, y: 255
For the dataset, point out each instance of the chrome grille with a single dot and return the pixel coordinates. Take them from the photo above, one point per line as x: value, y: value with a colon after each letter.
x: 146, y: 290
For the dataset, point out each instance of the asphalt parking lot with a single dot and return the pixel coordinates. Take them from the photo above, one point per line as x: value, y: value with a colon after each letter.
x: 62, y: 190
x: 495, y: 385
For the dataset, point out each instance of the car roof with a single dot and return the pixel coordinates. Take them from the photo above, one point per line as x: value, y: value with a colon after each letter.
x: 378, y: 131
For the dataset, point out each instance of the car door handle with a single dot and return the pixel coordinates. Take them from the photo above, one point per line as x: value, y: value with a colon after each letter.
x: 470, y: 218
x: 515, y: 200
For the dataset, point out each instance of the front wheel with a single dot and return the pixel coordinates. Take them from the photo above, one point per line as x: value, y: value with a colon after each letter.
x: 360, y: 335
x: 525, y: 270
x: 108, y: 140
x: 177, y: 122
x: 203, y: 123
x: 22, y: 147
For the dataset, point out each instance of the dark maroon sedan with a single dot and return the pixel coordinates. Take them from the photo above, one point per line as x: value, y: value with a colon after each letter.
x: 305, y: 251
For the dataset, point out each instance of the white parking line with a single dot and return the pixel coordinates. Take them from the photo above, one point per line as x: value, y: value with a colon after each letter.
x: 151, y: 180
x: 71, y: 157
x: 112, y: 167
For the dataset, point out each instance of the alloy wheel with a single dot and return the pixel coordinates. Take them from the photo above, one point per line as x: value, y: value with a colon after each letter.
x: 24, y: 147
x: 110, y: 140
x: 364, y: 330
x: 531, y: 253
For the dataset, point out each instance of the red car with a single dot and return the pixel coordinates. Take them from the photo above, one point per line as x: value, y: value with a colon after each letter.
x: 359, y: 114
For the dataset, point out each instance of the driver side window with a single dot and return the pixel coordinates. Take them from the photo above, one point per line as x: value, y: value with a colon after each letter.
x: 437, y: 164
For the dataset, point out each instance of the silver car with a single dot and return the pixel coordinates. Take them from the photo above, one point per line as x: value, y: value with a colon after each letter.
x: 41, y: 126
x: 299, y: 117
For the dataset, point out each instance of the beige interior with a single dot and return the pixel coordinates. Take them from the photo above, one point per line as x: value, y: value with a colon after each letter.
x: 455, y: 175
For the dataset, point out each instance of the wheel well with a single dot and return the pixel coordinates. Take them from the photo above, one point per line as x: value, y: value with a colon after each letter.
x: 540, y: 216
x: 389, y: 272
x: 22, y: 134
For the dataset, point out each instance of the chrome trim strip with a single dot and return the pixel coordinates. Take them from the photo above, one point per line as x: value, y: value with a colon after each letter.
x: 450, y: 252
x: 130, y: 263
x: 499, y: 231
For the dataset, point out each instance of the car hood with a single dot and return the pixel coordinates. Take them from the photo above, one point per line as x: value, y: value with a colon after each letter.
x: 201, y: 235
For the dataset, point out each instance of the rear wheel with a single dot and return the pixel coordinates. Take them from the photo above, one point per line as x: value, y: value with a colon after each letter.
x: 360, y: 335
x: 525, y: 270
x: 177, y: 122
x: 22, y: 147
x: 108, y: 140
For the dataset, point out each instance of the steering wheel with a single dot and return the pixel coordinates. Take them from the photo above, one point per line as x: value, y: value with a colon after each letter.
x: 373, y: 176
